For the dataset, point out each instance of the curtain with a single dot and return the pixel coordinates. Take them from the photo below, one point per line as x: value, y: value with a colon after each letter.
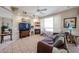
x: 48, y: 24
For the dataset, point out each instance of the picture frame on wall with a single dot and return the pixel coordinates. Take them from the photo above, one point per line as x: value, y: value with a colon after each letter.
x: 70, y: 22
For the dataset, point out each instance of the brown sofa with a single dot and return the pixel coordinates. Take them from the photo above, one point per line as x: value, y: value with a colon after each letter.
x: 46, y: 46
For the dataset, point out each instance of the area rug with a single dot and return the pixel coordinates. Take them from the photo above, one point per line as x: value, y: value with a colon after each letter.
x: 25, y: 45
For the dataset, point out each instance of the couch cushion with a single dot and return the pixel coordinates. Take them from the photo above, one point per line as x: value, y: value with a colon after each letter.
x: 48, y: 34
x: 59, y: 42
x: 52, y: 37
x: 56, y: 50
x: 48, y: 40
x: 55, y: 37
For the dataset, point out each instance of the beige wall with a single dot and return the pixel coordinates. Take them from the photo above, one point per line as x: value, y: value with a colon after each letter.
x: 58, y: 20
x: 67, y: 14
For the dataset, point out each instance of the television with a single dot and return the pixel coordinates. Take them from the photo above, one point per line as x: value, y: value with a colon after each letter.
x: 24, y: 26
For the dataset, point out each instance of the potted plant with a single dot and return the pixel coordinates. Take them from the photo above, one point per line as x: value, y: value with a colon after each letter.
x: 4, y: 27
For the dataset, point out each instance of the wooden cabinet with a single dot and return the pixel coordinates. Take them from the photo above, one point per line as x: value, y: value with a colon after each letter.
x: 24, y: 34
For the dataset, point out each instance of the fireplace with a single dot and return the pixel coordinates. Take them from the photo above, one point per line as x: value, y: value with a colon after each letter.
x: 37, y: 31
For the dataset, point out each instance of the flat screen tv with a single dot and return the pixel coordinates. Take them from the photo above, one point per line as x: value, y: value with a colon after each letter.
x: 24, y: 26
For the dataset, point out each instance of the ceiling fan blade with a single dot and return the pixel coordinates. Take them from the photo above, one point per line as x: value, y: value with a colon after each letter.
x: 41, y: 12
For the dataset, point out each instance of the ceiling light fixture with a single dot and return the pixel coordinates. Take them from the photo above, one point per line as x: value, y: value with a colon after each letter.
x: 14, y: 8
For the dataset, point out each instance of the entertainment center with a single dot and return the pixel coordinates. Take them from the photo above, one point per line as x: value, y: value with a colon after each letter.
x: 24, y: 29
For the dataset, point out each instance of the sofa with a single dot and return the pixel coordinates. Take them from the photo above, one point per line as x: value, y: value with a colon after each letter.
x: 44, y: 47
x: 47, y: 44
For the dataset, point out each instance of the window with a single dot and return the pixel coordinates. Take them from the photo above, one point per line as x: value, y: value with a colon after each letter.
x: 48, y: 24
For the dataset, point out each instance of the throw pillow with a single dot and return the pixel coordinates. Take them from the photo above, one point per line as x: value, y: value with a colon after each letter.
x: 56, y: 50
x: 58, y: 42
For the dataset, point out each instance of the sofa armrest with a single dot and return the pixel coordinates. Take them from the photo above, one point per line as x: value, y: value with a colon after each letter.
x: 43, y: 47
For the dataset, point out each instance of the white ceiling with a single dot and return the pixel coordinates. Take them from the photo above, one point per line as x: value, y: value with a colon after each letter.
x: 32, y: 10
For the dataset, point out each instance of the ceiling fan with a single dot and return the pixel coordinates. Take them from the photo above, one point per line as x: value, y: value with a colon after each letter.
x: 38, y: 10
x: 41, y: 10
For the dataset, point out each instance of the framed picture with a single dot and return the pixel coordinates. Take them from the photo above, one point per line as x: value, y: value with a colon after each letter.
x: 70, y: 22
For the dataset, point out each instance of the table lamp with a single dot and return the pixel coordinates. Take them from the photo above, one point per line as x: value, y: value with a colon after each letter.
x: 70, y: 28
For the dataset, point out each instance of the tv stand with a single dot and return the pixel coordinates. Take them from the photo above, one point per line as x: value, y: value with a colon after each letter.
x: 23, y: 34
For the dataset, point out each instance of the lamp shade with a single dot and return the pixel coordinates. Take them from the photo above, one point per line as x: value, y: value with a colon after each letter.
x: 70, y: 28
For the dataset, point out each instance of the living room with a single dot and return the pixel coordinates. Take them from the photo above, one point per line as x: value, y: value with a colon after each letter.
x: 42, y: 22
